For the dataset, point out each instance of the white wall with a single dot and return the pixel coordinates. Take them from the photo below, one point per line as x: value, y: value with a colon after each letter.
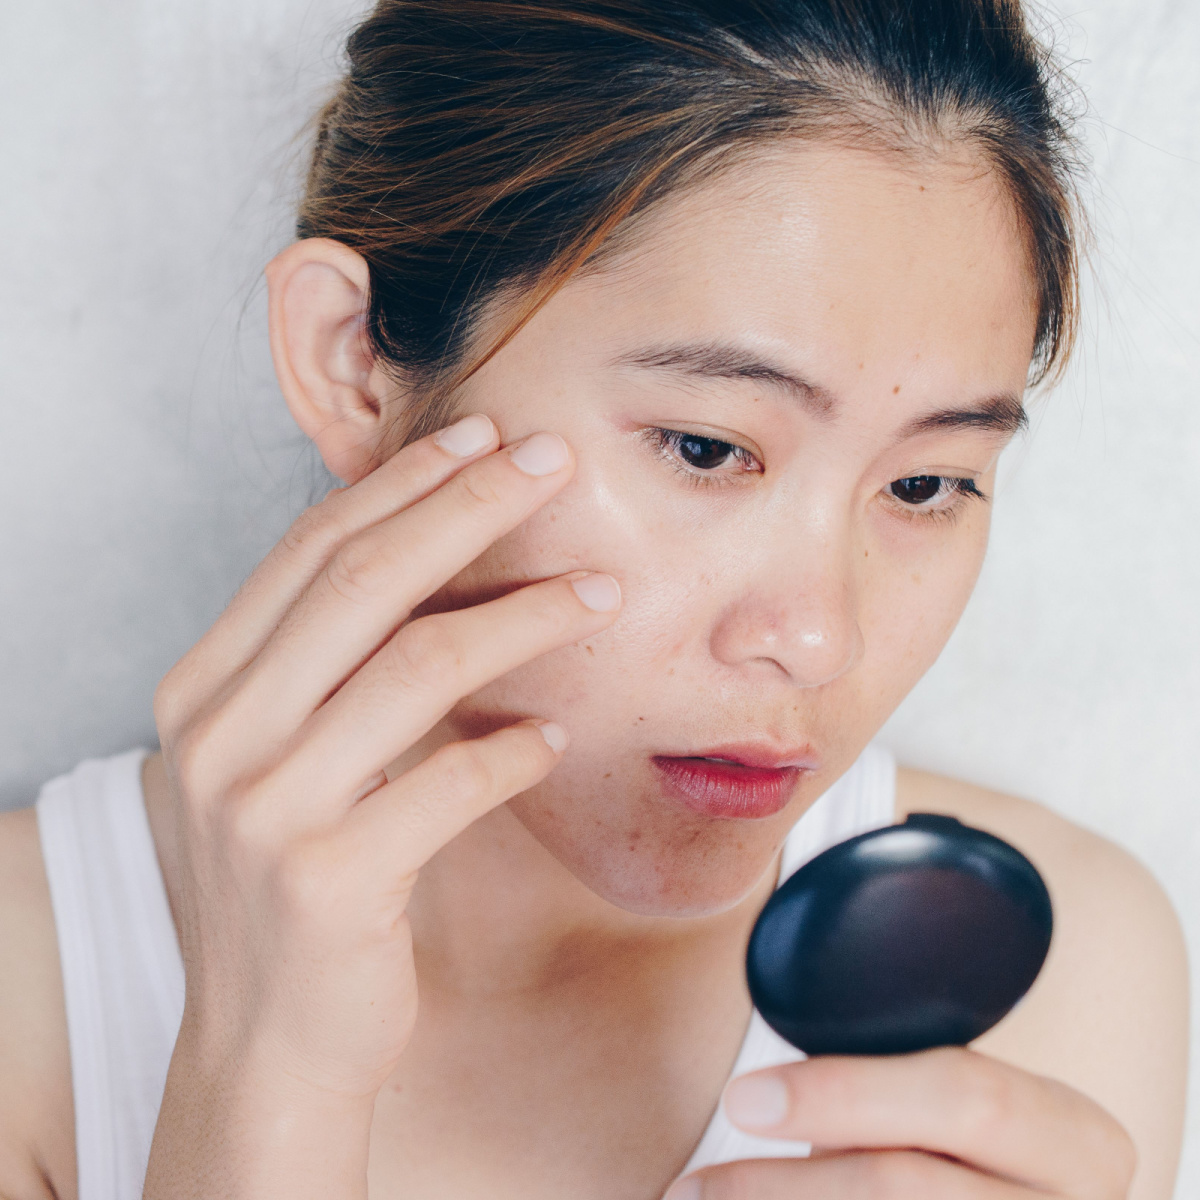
x: 145, y: 462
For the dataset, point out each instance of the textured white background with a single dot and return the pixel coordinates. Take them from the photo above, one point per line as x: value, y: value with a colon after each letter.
x: 148, y: 152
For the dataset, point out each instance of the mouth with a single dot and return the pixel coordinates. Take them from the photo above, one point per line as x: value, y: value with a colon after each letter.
x: 732, y: 783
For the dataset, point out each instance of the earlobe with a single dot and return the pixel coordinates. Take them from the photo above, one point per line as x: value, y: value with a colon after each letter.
x: 318, y: 291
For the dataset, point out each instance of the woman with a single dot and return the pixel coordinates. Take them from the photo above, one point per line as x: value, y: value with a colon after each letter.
x: 666, y: 352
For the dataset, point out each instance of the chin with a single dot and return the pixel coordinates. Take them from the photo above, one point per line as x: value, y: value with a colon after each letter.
x: 662, y: 867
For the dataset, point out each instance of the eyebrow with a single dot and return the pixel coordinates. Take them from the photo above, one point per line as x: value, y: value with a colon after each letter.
x: 713, y: 360
x: 1001, y: 414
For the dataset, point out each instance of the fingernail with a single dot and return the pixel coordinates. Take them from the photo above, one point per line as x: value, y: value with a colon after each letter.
x: 756, y: 1101
x: 555, y: 735
x: 466, y: 437
x: 685, y: 1189
x: 541, y: 454
x: 600, y: 593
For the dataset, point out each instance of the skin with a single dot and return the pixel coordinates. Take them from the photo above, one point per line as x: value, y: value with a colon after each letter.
x: 353, y: 806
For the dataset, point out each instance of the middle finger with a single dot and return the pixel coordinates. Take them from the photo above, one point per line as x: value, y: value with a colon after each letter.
x: 374, y: 581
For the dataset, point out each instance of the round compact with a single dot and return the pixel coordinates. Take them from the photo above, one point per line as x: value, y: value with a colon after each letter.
x: 916, y: 935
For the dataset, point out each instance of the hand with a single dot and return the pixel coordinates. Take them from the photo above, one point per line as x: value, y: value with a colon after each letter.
x: 298, y: 854
x: 946, y: 1124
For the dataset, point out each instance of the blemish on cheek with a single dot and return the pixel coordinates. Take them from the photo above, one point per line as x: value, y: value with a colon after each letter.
x: 607, y: 775
x: 896, y: 390
x: 916, y: 577
x: 590, y: 651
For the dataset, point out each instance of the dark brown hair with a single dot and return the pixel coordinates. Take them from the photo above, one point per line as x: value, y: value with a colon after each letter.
x: 485, y: 148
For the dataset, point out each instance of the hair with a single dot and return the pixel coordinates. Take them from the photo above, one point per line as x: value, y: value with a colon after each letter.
x: 484, y: 150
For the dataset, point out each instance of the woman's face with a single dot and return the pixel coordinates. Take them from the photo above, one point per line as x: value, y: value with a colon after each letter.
x: 784, y: 397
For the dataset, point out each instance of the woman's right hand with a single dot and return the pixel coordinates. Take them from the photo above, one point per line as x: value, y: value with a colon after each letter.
x: 297, y: 854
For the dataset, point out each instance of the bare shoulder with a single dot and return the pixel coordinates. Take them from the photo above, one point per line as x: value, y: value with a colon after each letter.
x: 1109, y: 1014
x: 37, y: 1155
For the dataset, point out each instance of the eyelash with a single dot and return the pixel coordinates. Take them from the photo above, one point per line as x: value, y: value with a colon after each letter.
x: 669, y: 442
x: 960, y: 490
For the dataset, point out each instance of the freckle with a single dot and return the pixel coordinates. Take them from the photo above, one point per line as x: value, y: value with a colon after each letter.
x: 607, y: 774
x: 641, y: 718
x: 896, y: 390
x: 670, y: 670
x: 866, y: 554
x: 916, y: 578
x: 922, y: 186
x: 590, y: 651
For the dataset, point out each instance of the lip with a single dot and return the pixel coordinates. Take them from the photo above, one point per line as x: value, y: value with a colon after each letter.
x: 748, y: 783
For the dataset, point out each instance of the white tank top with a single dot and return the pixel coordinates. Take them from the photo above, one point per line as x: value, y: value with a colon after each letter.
x: 123, y: 975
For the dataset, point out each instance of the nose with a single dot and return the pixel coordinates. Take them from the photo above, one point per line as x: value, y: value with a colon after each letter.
x: 800, y: 617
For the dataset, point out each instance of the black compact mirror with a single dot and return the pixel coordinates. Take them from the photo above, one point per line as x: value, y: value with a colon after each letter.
x: 916, y: 935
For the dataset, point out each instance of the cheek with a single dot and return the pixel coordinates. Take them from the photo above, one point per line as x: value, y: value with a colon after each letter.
x: 915, y: 596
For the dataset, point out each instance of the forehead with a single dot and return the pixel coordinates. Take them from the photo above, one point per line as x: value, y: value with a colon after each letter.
x: 848, y: 264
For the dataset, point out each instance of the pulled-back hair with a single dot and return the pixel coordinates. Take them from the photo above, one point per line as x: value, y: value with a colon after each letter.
x: 485, y: 148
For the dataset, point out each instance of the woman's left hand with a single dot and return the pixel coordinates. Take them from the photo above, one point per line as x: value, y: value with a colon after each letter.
x: 947, y: 1124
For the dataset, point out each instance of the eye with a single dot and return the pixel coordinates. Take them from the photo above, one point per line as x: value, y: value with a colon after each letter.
x: 703, y: 453
x: 933, y: 494
x: 919, y: 489
x: 696, y: 454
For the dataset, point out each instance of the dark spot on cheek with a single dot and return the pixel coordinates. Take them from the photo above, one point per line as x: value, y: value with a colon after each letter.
x: 916, y: 577
x: 896, y: 390
x: 607, y: 774
x: 641, y: 718
x: 590, y: 651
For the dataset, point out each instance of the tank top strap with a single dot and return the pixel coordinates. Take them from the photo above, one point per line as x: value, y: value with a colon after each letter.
x: 122, y: 972
x: 864, y: 798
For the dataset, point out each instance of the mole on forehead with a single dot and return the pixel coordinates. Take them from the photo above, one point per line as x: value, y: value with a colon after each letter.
x: 1002, y: 414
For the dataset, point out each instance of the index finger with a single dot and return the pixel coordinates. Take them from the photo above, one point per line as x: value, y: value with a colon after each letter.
x: 951, y: 1101
x: 410, y: 475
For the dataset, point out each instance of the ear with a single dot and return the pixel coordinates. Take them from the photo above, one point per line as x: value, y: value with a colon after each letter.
x: 318, y: 292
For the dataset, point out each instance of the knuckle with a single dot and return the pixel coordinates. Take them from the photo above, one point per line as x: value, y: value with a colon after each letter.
x: 988, y: 1101
x: 167, y: 704
x: 1116, y: 1157
x: 242, y: 820
x: 356, y: 571
x: 194, y: 753
x: 897, y: 1175
x: 469, y: 773
x: 424, y: 655
x: 310, y: 534
x: 478, y: 490
x: 306, y: 879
